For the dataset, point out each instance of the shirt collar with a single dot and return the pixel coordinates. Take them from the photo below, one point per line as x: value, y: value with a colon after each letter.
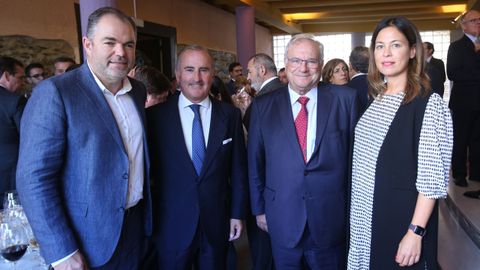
x: 471, y: 37
x: 127, y: 86
x: 429, y: 59
x: 267, y: 81
x: 357, y: 74
x: 183, y: 102
x: 312, y: 95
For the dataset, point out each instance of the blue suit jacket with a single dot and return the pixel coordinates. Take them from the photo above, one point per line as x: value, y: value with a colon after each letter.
x: 291, y: 193
x: 72, y: 173
x: 181, y: 198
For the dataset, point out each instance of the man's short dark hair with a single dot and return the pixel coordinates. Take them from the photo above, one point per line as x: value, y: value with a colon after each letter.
x: 8, y: 64
x: 95, y: 17
x: 63, y: 59
x: 430, y: 46
x: 232, y: 66
x: 266, y: 61
x: 32, y: 66
x: 281, y: 70
x: 155, y: 82
x: 359, y: 59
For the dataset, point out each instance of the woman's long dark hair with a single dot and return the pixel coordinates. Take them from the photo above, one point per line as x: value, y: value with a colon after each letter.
x: 417, y: 79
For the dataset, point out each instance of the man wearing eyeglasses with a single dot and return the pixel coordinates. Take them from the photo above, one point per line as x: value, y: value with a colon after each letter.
x: 35, y: 73
x: 463, y: 68
x: 298, y: 159
x: 11, y: 108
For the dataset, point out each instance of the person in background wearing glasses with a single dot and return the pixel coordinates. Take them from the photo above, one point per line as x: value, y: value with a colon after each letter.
x: 298, y: 160
x: 11, y: 108
x: 35, y: 73
x: 463, y: 68
x: 335, y: 71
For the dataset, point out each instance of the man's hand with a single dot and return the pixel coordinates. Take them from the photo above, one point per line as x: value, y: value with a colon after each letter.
x: 236, y: 227
x: 75, y: 262
x: 409, y: 249
x: 262, y: 222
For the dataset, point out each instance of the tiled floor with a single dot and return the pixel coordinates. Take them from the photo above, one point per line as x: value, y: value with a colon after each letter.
x: 456, y: 250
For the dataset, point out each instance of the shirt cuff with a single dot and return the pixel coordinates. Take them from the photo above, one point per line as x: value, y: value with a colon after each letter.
x: 64, y: 259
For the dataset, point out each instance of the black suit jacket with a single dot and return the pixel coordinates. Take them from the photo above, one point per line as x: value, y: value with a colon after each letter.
x: 438, y: 63
x: 182, y: 199
x: 269, y: 87
x: 360, y: 84
x: 435, y: 78
x: 231, y: 87
x: 463, y: 68
x: 11, y: 109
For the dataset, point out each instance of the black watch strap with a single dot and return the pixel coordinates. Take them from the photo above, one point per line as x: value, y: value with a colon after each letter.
x: 417, y: 229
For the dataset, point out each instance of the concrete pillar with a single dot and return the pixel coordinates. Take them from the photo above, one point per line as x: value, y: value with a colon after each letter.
x: 89, y: 6
x: 358, y: 39
x: 245, y: 19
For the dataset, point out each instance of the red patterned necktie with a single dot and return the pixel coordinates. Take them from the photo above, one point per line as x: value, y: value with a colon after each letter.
x: 301, y: 124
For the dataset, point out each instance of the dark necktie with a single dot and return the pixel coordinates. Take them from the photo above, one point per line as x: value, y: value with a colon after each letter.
x: 198, y: 142
x: 301, y: 124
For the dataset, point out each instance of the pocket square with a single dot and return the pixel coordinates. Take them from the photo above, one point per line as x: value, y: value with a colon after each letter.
x: 226, y: 141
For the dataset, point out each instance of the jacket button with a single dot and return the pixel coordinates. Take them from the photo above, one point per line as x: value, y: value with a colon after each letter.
x: 125, y: 176
x: 305, y: 173
x: 121, y: 209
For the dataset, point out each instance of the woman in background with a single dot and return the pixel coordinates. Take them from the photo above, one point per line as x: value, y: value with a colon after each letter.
x: 401, y: 157
x: 335, y: 71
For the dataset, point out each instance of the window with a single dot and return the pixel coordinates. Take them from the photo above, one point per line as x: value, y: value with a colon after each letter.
x: 279, y: 44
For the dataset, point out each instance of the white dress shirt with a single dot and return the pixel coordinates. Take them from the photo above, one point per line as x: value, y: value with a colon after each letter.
x: 312, y: 116
x: 187, y: 115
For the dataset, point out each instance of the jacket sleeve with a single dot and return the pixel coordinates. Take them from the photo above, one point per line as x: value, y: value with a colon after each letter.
x: 41, y: 160
x: 256, y: 162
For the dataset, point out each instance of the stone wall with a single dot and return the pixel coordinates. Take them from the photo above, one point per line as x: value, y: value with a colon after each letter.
x: 221, y: 61
x: 28, y: 50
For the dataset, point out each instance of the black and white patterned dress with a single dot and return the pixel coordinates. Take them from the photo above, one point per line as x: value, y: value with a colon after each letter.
x: 434, y: 154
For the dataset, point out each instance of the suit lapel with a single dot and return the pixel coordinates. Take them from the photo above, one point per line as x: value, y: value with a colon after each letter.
x: 218, y: 127
x: 87, y: 85
x: 324, y: 104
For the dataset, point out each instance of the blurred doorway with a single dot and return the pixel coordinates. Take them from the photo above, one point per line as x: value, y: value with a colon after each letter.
x: 157, y: 46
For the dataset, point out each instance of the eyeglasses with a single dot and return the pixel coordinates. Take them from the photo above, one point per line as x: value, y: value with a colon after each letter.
x: 37, y: 76
x: 296, y: 62
x: 475, y: 20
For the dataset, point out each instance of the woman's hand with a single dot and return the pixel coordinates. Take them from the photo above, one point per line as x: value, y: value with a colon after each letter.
x: 409, y: 249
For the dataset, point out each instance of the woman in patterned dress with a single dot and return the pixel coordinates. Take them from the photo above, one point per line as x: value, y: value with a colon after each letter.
x: 401, y: 158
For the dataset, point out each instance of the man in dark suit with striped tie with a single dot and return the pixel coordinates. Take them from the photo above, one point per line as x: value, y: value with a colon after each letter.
x: 198, y: 169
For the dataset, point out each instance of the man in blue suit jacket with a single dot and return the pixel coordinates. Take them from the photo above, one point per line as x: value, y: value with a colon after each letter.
x: 200, y: 198
x: 83, y: 159
x: 298, y: 181
x: 358, y: 62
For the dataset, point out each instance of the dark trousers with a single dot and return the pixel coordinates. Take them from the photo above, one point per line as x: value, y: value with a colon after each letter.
x: 130, y: 250
x: 466, y: 142
x: 260, y: 247
x: 200, y: 255
x: 307, y: 255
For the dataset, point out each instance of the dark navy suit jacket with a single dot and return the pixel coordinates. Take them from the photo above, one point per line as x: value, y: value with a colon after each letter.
x: 293, y: 194
x: 72, y: 174
x: 183, y: 199
x: 11, y: 108
x: 360, y: 84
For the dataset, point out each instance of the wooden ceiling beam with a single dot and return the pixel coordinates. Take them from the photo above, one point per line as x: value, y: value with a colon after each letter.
x: 330, y: 3
x: 370, y: 7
